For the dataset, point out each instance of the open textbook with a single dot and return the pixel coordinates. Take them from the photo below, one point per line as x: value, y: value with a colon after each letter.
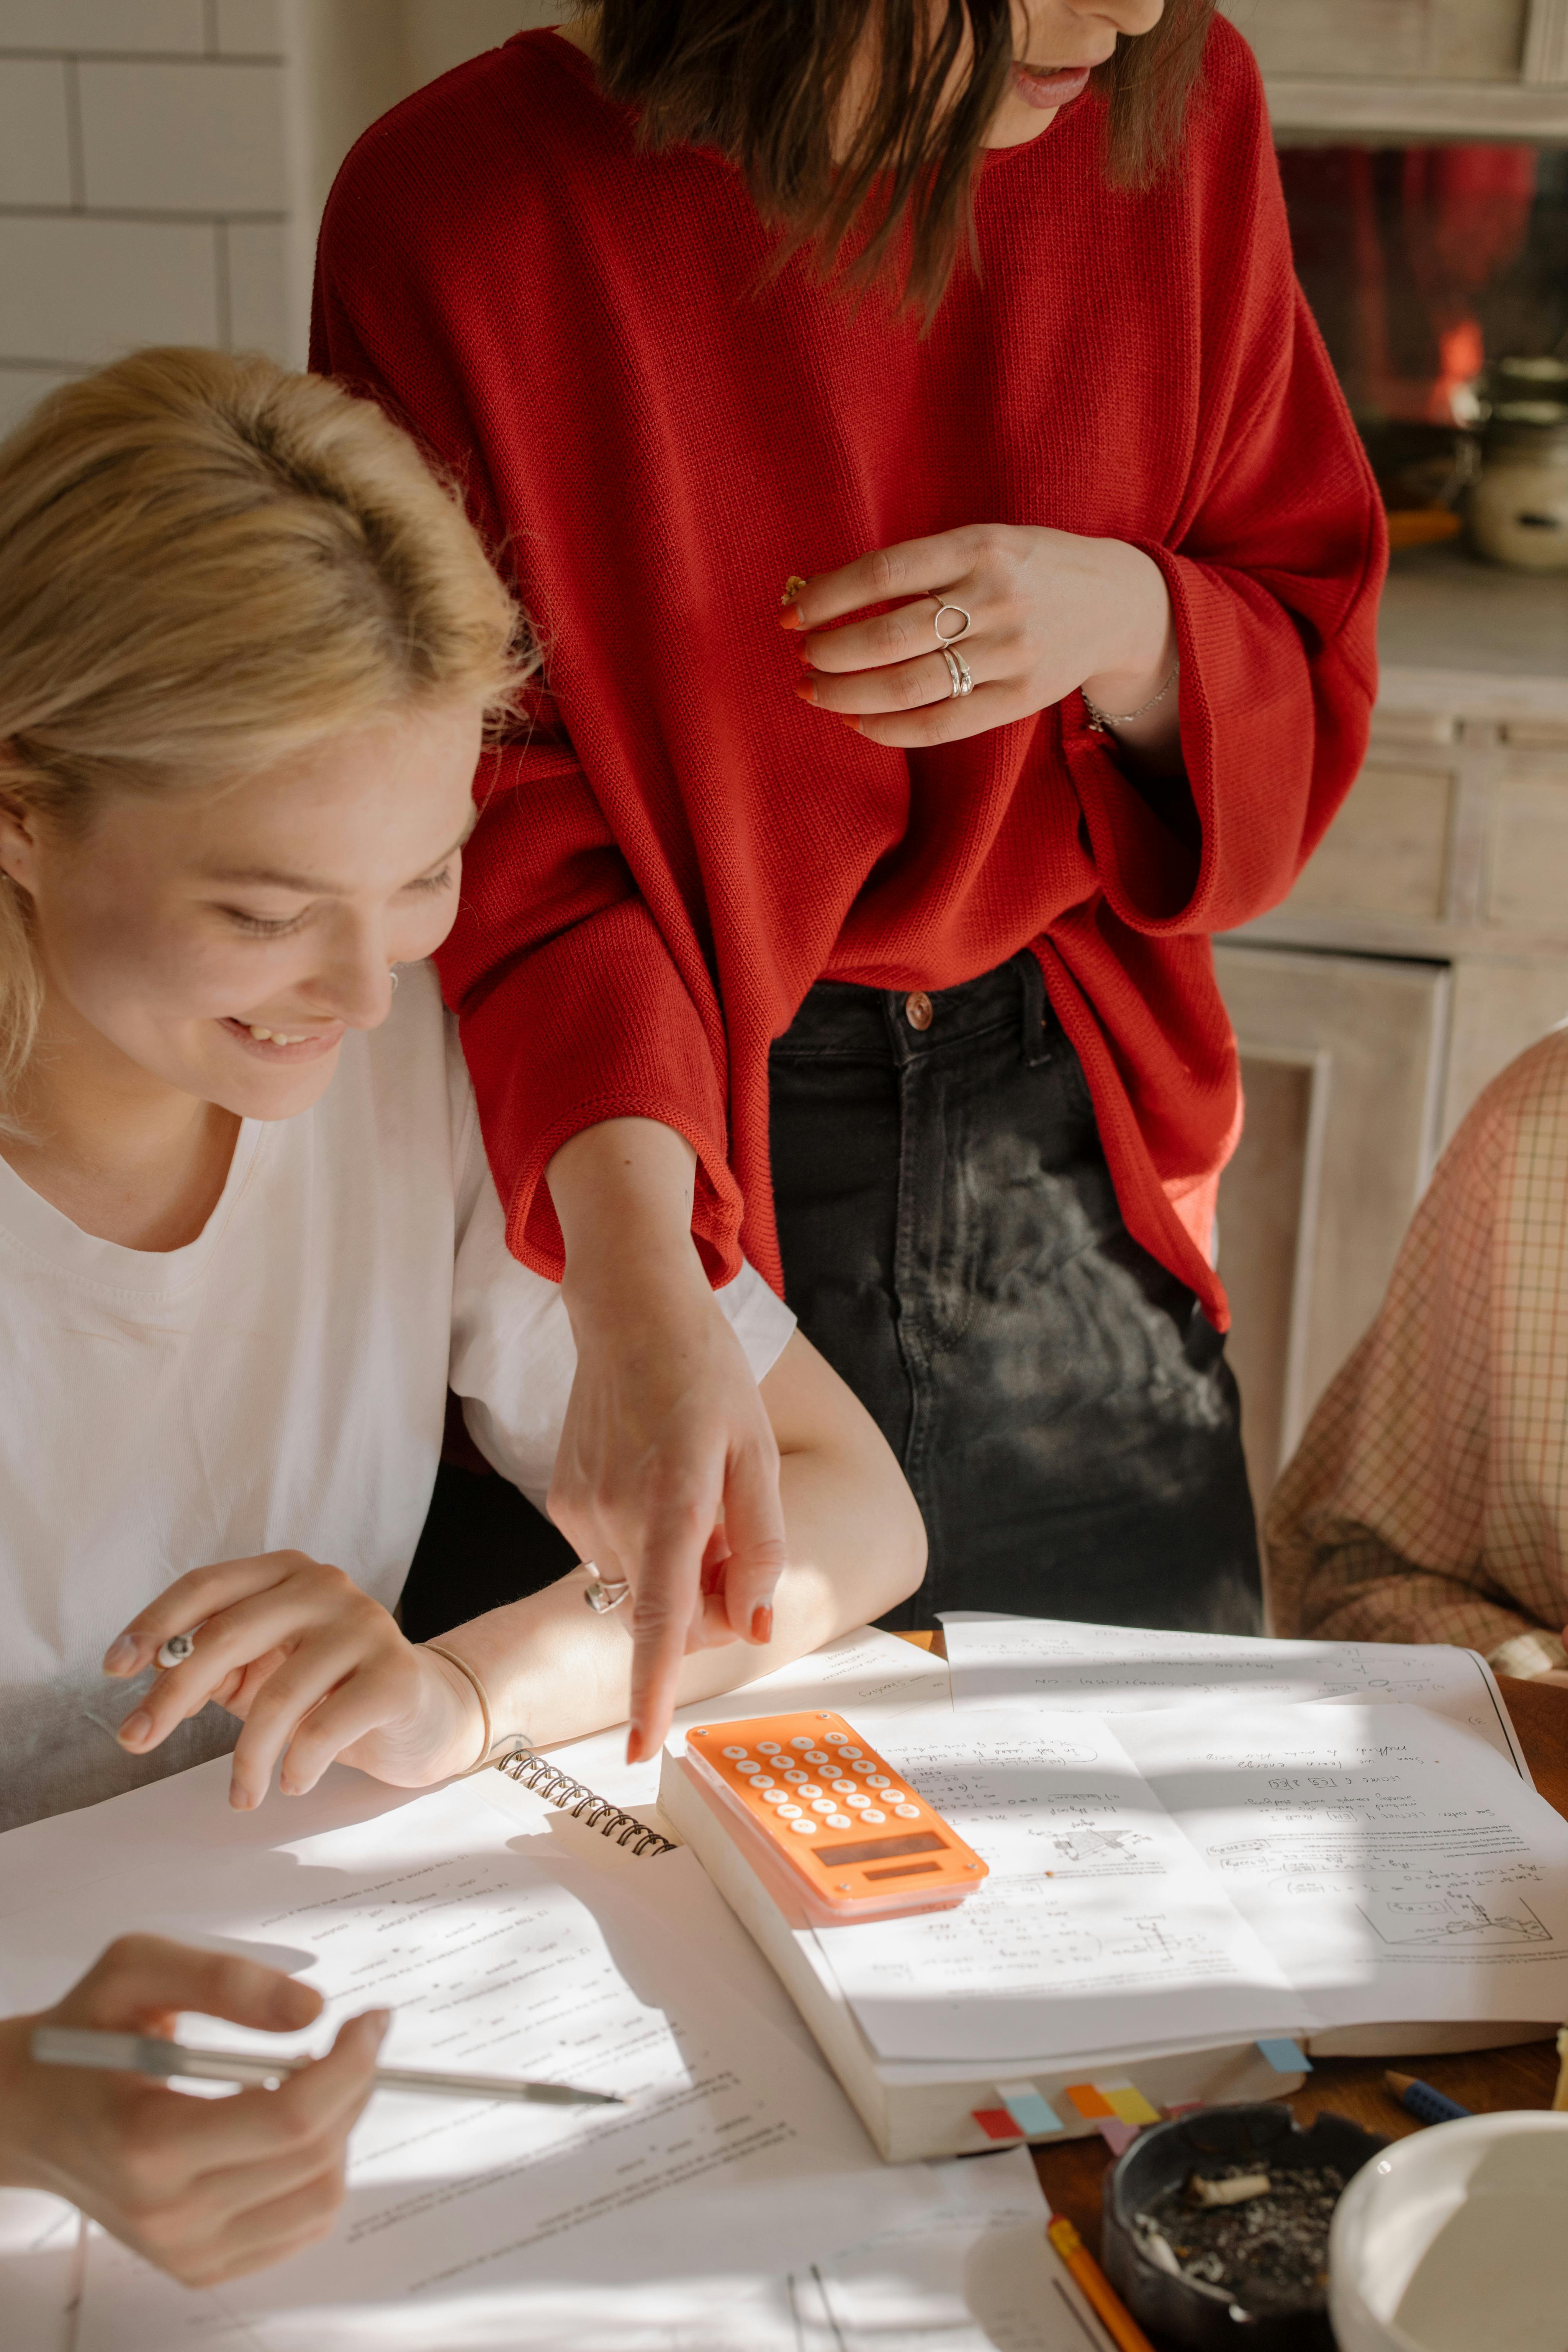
x: 1011, y: 1662
x: 1167, y: 1889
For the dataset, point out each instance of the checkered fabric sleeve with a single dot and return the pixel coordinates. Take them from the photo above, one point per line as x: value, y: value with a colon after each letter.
x: 1429, y: 1500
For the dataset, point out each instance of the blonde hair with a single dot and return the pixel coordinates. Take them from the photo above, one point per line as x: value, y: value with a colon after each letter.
x: 207, y: 562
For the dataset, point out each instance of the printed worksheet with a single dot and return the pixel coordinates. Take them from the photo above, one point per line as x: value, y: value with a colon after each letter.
x: 1098, y: 1929
x: 1396, y: 1869
x: 1011, y: 1662
x: 729, y: 2134
x: 967, y: 2269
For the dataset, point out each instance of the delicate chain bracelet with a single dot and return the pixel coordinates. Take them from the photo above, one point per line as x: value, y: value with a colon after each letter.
x: 452, y: 1659
x: 1099, y: 720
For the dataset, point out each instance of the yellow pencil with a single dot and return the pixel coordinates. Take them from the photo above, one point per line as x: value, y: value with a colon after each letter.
x: 1119, y: 2321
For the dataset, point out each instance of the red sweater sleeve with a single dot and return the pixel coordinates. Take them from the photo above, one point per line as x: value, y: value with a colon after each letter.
x: 549, y: 901
x: 1274, y: 568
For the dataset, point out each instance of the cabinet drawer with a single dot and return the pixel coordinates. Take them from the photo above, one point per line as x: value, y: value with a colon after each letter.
x: 1526, y: 879
x: 1387, y: 853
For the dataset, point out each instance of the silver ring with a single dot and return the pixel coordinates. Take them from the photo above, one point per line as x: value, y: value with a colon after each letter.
x: 174, y: 1652
x: 604, y: 1592
x: 959, y: 672
x: 951, y: 636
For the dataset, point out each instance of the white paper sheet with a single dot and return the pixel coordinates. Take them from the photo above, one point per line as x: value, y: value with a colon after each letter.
x: 734, y: 2136
x: 1395, y: 1868
x: 1098, y: 1927
x: 968, y: 2269
x: 1008, y: 1662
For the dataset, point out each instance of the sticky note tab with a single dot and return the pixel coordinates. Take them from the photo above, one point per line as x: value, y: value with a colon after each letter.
x: 1117, y: 2135
x: 1031, y: 2111
x: 1285, y: 2056
x: 1128, y: 2104
x: 1089, y: 2102
x: 995, y: 2123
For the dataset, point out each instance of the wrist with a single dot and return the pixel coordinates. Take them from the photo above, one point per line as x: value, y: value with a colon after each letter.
x: 1139, y: 649
x: 458, y: 1731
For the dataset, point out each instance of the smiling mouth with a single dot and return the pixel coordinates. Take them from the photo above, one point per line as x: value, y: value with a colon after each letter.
x: 283, y: 1044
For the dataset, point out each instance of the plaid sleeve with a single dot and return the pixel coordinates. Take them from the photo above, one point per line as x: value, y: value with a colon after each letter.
x: 1427, y: 1501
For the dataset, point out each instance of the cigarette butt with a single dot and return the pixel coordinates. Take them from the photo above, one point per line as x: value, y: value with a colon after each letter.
x: 1228, y: 2193
x: 1560, y: 2096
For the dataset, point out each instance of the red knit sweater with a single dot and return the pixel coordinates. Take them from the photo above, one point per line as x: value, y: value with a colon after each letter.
x: 652, y: 434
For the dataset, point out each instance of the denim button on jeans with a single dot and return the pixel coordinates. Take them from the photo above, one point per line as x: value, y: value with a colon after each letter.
x: 952, y: 1242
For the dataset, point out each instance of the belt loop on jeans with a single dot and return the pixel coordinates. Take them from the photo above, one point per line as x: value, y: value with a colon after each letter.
x: 1034, y: 1035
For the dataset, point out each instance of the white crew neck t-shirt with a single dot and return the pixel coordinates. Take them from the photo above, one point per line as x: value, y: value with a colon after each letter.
x: 280, y: 1382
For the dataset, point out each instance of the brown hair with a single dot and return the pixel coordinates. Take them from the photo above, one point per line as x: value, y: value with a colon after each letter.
x: 206, y: 563
x: 764, y: 81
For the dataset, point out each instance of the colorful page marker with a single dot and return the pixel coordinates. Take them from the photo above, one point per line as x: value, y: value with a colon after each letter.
x: 996, y: 2123
x: 1033, y: 2114
x: 1128, y: 2104
x: 1117, y: 2135
x: 1286, y: 2057
x: 1089, y: 2102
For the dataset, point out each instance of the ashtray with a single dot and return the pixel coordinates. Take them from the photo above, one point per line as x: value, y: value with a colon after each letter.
x: 1267, y: 2234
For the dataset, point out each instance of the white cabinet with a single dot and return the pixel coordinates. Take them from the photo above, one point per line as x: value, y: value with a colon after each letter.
x: 1423, y: 946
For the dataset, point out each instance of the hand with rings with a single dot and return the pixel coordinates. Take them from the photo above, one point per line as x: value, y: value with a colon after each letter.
x: 1001, y: 621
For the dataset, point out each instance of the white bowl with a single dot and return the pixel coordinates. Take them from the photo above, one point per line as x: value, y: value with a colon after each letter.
x: 1456, y: 2240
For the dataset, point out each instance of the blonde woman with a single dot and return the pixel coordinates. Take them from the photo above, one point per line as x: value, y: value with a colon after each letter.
x: 248, y: 651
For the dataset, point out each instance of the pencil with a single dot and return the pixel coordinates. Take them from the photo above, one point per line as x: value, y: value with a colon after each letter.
x: 1081, y: 2266
x: 1428, y: 2105
x: 135, y: 2053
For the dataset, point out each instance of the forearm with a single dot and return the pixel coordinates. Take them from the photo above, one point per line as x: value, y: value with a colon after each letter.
x: 622, y: 1193
x: 553, y: 1670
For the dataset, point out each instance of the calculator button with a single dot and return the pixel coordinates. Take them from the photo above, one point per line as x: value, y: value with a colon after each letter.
x: 819, y: 1757
x: 871, y: 1815
x: 788, y: 1813
x: 859, y: 1801
x: 749, y: 1768
x: 877, y: 1780
x: 856, y: 1752
x: 845, y: 1787
x: 804, y: 1829
x: 767, y: 1747
x: 801, y: 1739
x: 810, y: 1789
x: 832, y: 1739
x: 840, y: 1821
x: 795, y: 1779
x: 823, y: 1805
x: 734, y: 1754
x: 908, y: 1812
x: 895, y: 1797
x: 772, y: 1796
x: 762, y: 1781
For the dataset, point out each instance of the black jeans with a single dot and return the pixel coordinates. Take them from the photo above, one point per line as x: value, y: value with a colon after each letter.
x: 952, y: 1242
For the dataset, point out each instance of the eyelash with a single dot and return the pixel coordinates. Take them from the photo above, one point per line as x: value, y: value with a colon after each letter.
x: 258, y: 928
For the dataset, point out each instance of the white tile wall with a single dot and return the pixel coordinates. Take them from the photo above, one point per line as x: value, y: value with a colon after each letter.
x: 20, y: 387
x: 204, y: 137
x: 144, y: 192
x: 34, y: 132
x: 107, y: 25
x: 250, y: 28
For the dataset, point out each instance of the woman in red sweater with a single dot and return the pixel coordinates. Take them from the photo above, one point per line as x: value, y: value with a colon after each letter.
x: 878, y: 947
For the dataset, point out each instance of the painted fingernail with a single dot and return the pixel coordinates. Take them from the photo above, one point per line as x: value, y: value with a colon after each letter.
x: 135, y: 1728
x: 853, y: 724
x: 634, y: 1743
x: 790, y: 618
x: 120, y: 1656
x: 762, y: 1621
x: 807, y: 690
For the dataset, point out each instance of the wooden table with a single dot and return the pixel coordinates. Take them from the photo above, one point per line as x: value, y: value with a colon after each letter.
x: 1523, y: 2076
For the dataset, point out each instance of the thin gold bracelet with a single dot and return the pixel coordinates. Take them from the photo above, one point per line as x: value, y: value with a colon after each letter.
x: 452, y: 1659
x: 1099, y: 720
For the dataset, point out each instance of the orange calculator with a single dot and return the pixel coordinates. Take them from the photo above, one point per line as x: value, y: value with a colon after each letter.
x: 807, y: 1793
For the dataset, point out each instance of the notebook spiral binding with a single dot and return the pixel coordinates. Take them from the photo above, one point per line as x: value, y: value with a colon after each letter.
x: 557, y: 1787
